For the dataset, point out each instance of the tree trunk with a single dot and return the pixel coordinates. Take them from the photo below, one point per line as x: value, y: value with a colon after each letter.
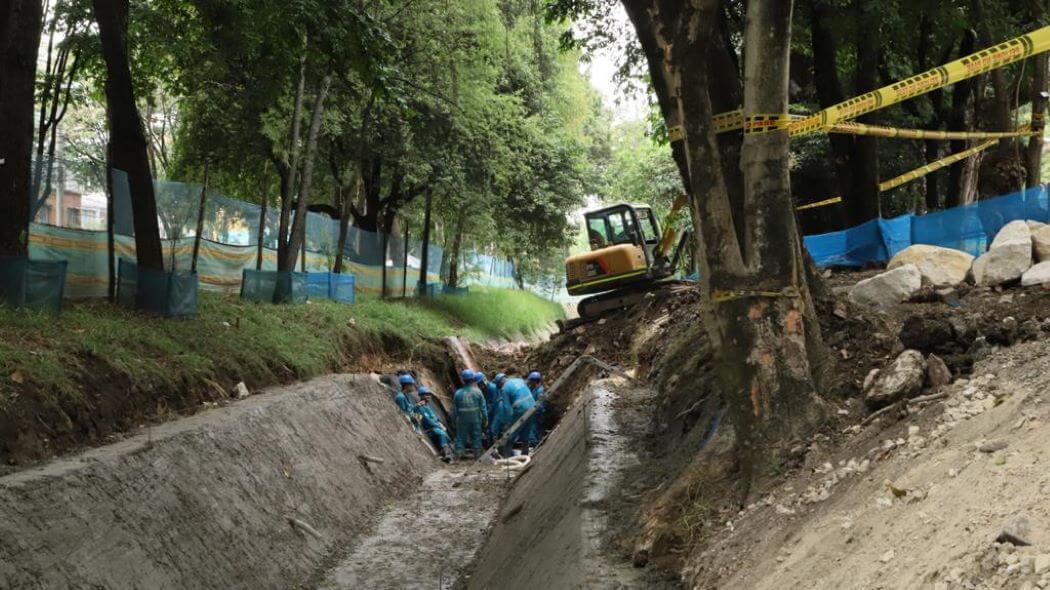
x: 424, y: 257
x: 757, y: 305
x: 126, y: 136
x: 20, y: 22
x: 457, y: 244
x: 298, y: 231
x: 200, y: 223
x: 960, y: 189
x: 863, y: 203
x: 829, y: 92
x: 1040, y: 63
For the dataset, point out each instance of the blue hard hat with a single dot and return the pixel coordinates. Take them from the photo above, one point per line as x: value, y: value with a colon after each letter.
x: 424, y: 391
x: 406, y: 379
x: 499, y: 378
x: 467, y: 375
x: 535, y: 376
x: 479, y: 377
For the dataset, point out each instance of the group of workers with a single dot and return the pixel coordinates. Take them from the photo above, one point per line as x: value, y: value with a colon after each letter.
x: 482, y: 411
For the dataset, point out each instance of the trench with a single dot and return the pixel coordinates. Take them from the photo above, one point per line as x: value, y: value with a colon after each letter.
x: 324, y: 485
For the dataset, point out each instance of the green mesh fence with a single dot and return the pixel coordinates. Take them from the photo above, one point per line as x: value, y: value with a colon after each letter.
x: 271, y: 286
x: 33, y: 284
x: 170, y: 294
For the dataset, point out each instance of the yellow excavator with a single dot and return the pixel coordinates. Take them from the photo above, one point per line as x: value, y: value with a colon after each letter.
x: 629, y: 256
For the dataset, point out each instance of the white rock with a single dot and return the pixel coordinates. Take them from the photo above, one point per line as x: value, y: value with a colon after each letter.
x: 1041, y: 243
x: 902, y: 378
x: 1041, y: 564
x: 241, y: 390
x: 1015, y: 232
x: 1037, y: 275
x: 887, y: 556
x: 940, y: 267
x: 1034, y: 225
x: 889, y: 288
x: 1008, y: 258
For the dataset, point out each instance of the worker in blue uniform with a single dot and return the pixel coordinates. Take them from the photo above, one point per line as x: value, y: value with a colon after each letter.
x: 520, y: 399
x: 535, y: 384
x: 470, y: 415
x: 402, y: 399
x: 432, y: 426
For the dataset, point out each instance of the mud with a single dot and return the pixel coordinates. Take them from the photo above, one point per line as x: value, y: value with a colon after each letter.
x: 255, y: 495
x: 427, y: 540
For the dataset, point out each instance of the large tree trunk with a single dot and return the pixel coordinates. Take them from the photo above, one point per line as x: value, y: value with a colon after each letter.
x: 20, y: 22
x: 129, y: 146
x: 757, y: 305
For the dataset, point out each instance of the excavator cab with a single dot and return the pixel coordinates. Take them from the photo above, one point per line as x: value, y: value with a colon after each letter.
x: 623, y: 240
x: 629, y: 256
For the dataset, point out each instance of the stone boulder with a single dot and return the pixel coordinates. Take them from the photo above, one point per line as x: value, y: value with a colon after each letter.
x: 889, y: 288
x: 1008, y: 258
x: 1037, y: 275
x: 940, y: 267
x: 902, y: 379
x: 1041, y: 243
x: 1034, y: 225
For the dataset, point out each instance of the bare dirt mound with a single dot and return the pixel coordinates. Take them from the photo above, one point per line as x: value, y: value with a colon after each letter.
x: 920, y: 504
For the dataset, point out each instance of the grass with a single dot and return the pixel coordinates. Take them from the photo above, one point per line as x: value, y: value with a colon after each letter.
x: 499, y: 312
x: 72, y: 366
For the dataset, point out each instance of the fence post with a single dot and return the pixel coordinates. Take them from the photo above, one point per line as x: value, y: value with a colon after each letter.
x: 404, y: 273
x: 200, y: 223
x: 110, y: 246
x: 262, y: 228
x: 382, y: 261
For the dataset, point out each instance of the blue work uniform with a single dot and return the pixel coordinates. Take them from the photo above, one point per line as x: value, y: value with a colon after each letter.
x: 492, y: 397
x: 432, y: 426
x: 520, y: 399
x: 538, y: 394
x: 501, y: 417
x: 402, y: 401
x: 468, y: 406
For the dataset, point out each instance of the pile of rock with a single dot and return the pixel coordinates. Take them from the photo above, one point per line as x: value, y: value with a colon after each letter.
x: 1019, y: 252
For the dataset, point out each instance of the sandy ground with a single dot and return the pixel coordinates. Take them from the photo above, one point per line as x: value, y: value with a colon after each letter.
x: 916, y: 504
x: 427, y: 539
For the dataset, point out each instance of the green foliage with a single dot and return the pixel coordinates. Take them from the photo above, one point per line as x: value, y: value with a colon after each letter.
x: 639, y: 170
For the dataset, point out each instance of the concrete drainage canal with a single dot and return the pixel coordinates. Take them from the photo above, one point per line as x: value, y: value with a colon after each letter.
x: 320, y: 485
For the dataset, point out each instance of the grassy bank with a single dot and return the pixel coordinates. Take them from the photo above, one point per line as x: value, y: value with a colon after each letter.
x: 96, y: 369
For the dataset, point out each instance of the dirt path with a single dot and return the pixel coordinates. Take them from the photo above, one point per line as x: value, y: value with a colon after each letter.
x: 427, y: 539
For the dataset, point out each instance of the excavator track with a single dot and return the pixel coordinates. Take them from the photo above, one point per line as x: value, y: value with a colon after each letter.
x: 593, y: 307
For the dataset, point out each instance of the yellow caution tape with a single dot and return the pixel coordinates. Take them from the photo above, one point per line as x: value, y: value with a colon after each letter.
x: 765, y: 123
x: 934, y: 166
x: 724, y: 296
x: 823, y: 203
x: 851, y: 128
x: 723, y: 122
x: 991, y: 58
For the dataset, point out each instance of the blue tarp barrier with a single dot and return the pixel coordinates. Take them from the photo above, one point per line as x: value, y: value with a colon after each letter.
x: 968, y: 227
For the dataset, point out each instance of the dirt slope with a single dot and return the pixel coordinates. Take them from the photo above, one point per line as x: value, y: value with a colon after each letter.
x: 839, y: 524
x: 255, y: 495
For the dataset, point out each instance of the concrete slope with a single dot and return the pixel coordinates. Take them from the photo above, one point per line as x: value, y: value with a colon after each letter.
x: 552, y: 531
x: 255, y: 495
